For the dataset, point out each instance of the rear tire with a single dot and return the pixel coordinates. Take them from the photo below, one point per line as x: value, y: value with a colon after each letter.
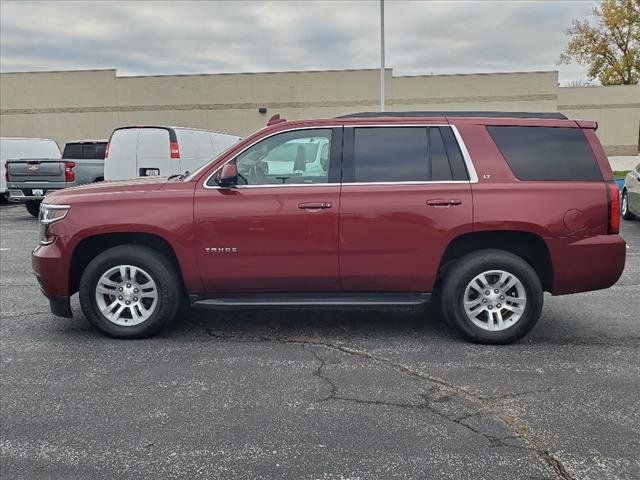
x: 33, y: 207
x: 139, y: 275
x: 626, y: 214
x: 503, y: 307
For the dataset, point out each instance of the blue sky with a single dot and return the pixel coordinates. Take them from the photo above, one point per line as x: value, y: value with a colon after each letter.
x: 148, y: 37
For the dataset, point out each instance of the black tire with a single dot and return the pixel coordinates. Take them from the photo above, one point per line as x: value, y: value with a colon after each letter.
x: 626, y: 213
x: 160, y: 269
x: 33, y: 207
x: 473, y: 264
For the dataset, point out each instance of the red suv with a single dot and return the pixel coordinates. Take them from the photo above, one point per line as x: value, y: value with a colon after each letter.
x: 480, y: 212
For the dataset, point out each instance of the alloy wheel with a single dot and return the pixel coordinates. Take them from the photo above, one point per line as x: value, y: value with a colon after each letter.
x: 495, y: 300
x: 126, y: 295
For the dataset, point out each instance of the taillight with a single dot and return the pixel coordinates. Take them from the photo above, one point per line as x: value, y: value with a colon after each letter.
x: 175, y: 151
x: 106, y: 151
x: 613, y: 194
x: 69, y: 176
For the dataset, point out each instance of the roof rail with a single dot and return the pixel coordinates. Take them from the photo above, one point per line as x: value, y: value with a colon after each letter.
x: 544, y: 115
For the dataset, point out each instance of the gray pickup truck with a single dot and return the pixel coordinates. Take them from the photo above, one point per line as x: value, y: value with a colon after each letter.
x: 29, y: 179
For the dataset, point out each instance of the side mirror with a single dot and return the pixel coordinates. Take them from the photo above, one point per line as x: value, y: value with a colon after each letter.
x: 228, y: 176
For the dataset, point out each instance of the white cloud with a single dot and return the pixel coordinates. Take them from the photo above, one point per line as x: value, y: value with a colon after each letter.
x: 193, y: 37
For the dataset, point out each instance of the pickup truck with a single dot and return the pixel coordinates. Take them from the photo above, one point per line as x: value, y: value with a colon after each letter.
x: 30, y: 179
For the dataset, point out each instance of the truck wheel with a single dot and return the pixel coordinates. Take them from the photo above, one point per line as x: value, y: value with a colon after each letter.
x: 130, y: 291
x: 492, y: 296
x: 626, y: 214
x: 33, y: 207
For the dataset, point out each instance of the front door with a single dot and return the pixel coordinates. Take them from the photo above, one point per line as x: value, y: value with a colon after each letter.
x: 277, y: 230
x: 405, y: 194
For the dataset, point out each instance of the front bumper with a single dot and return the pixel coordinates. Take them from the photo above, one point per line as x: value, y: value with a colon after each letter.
x: 51, y: 269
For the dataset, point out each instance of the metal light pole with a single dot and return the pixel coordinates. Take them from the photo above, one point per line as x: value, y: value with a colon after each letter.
x: 382, y: 55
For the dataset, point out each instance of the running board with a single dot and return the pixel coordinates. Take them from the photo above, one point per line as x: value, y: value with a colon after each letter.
x: 310, y: 299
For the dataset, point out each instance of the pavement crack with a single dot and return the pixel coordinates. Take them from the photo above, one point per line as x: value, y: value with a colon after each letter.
x: 490, y: 405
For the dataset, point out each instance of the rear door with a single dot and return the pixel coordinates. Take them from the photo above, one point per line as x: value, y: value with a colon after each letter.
x: 405, y: 194
x: 122, y: 161
x: 154, y: 153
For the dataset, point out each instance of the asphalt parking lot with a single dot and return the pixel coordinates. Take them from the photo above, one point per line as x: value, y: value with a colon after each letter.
x: 328, y: 394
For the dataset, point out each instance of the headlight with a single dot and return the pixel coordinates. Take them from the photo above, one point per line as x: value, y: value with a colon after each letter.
x: 50, y: 214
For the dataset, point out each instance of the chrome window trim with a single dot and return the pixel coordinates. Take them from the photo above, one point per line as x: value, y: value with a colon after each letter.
x: 473, y: 177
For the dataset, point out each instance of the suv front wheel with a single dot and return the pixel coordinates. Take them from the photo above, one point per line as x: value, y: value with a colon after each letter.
x: 492, y: 296
x: 130, y: 291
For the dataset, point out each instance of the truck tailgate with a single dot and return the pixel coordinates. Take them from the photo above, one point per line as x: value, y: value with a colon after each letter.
x: 36, y: 170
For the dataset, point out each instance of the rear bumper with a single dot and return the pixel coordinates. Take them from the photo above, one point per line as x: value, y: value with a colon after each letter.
x: 587, y: 264
x: 21, y: 194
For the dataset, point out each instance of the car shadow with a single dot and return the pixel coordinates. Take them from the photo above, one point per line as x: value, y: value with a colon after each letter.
x: 301, y: 323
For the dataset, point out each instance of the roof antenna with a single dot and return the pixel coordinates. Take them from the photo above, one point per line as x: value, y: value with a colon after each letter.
x: 276, y: 119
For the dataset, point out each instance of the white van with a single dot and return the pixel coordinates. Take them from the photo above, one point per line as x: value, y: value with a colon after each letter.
x: 144, y: 151
x: 13, y: 148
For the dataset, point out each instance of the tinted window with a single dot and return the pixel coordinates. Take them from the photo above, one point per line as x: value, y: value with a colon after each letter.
x: 440, y: 169
x: 72, y: 150
x: 297, y: 157
x: 100, y: 150
x: 456, y: 161
x: 390, y: 154
x: 546, y: 153
x: 404, y: 154
x: 88, y: 150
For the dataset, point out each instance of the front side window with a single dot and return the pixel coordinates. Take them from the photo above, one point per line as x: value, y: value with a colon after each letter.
x: 298, y: 157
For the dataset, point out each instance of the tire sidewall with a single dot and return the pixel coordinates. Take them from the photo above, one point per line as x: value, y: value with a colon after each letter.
x: 626, y: 213
x: 471, y: 266
x: 151, y: 262
x: 33, y: 207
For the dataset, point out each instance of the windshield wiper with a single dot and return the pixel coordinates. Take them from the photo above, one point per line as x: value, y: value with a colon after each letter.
x: 179, y: 176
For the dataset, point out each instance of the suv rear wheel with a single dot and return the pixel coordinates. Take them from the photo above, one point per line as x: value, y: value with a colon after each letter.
x: 130, y: 291
x: 492, y: 296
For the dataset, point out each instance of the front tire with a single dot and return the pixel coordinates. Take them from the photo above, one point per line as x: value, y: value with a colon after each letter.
x: 130, y: 291
x: 492, y: 296
x: 626, y: 214
x: 33, y: 207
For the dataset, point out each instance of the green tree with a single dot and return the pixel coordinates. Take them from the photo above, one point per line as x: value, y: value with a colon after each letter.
x: 610, y: 46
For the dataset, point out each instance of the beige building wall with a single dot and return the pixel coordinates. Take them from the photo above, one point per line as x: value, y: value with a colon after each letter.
x: 615, y: 108
x: 90, y: 104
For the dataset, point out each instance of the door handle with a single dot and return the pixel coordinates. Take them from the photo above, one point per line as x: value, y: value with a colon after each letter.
x: 441, y: 202
x: 314, y: 205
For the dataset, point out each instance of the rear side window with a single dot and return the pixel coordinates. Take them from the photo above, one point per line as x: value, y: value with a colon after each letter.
x: 546, y: 153
x: 405, y: 154
x: 72, y: 150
